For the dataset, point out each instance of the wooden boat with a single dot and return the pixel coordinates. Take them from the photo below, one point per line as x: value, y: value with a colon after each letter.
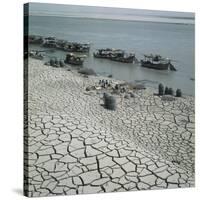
x: 107, y: 53
x: 76, y: 47
x: 73, y: 59
x: 49, y: 42
x: 102, y: 53
x: 64, y: 45
x: 36, y: 54
x: 115, y: 55
x: 35, y: 39
x: 60, y: 44
x: 157, y: 62
x: 126, y: 58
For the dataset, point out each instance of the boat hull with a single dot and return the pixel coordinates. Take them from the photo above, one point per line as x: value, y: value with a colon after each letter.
x: 49, y: 45
x: 117, y: 59
x: 70, y: 59
x: 123, y: 60
x: 159, y: 66
x: 76, y: 50
x: 74, y: 63
x: 37, y: 57
x: 96, y: 55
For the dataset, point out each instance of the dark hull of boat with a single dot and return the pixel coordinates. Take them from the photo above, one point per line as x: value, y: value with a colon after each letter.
x: 117, y: 59
x: 38, y: 42
x: 123, y: 60
x: 37, y: 57
x: 49, y: 45
x: 159, y: 66
x: 72, y: 62
x: 35, y: 39
x: 96, y: 55
x: 76, y: 50
x: 66, y: 49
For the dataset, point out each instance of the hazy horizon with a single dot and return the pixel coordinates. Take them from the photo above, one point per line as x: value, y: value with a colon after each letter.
x: 61, y: 10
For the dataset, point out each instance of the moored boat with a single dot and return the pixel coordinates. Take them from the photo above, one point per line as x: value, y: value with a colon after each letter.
x: 36, y: 54
x: 157, y: 62
x: 76, y: 47
x: 74, y: 59
x: 49, y: 42
x: 126, y: 58
x: 60, y: 44
x: 35, y: 39
x: 102, y: 53
x: 115, y: 55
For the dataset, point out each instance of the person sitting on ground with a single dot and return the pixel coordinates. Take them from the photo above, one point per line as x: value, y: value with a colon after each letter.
x: 116, y: 86
x: 123, y: 90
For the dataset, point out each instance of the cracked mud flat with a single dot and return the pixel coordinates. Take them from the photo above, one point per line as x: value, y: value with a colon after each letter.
x: 75, y: 146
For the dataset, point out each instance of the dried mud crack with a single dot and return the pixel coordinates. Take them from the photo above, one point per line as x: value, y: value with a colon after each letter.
x: 76, y: 146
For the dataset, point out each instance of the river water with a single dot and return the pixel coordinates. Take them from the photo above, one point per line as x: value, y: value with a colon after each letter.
x: 171, y: 40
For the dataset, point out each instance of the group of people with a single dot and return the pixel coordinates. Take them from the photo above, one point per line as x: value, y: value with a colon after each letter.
x: 105, y: 83
x: 109, y: 83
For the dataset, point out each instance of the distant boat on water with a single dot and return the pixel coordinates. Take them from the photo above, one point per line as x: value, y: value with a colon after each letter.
x: 115, y: 55
x: 74, y: 59
x: 64, y: 45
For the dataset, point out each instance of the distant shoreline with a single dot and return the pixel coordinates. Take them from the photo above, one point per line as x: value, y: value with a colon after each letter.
x: 117, y: 19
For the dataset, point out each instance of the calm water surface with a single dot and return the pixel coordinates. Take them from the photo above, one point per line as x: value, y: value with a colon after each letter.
x: 175, y: 41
